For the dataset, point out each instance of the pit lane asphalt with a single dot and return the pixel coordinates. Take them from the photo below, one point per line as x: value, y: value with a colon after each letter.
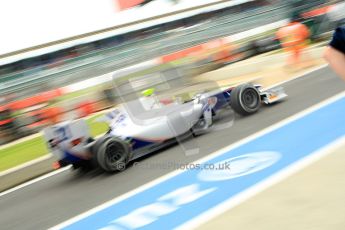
x: 65, y: 195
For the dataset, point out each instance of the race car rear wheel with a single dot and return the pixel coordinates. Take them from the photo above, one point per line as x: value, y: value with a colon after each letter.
x: 245, y: 99
x: 113, y: 154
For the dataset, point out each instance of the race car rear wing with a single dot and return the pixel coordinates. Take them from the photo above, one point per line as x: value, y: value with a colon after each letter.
x: 70, y: 137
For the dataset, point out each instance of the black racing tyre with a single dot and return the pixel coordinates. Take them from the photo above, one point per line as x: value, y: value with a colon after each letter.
x: 94, y: 149
x: 112, y: 154
x: 245, y: 99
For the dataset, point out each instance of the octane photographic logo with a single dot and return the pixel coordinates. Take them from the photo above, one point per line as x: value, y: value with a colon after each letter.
x: 207, y: 184
x: 178, y: 123
x: 174, y: 165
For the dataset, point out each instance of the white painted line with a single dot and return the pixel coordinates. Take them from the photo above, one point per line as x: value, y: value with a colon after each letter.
x: 261, y: 186
x: 298, y: 76
x: 202, y: 160
x: 34, y: 181
x: 259, y: 59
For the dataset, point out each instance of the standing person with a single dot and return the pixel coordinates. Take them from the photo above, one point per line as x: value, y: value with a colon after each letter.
x: 294, y: 38
x: 335, y: 52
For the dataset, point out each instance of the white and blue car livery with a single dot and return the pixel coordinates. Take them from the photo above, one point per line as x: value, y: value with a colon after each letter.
x: 142, y: 126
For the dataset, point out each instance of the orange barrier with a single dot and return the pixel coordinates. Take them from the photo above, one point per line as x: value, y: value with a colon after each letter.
x: 34, y: 100
x: 47, y: 116
x: 85, y: 108
x: 217, y: 49
x: 318, y: 12
x: 181, y: 54
x: 126, y: 4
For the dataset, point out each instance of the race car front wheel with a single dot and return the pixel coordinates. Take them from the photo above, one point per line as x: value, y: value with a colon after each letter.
x: 245, y: 99
x: 112, y: 155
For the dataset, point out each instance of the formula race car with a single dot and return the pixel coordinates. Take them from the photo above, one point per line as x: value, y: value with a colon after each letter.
x: 145, y: 125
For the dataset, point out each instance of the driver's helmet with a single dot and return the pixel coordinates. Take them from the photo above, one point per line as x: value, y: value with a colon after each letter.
x: 148, y: 92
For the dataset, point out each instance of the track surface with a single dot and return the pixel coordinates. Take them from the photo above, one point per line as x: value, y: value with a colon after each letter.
x: 58, y: 198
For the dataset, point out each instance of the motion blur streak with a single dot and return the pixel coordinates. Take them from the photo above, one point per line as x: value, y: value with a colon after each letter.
x: 294, y: 139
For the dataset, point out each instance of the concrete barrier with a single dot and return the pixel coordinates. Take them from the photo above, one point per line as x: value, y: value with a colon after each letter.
x: 30, y: 171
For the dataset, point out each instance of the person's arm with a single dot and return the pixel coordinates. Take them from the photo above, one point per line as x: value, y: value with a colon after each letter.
x: 336, y: 60
x: 335, y: 53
